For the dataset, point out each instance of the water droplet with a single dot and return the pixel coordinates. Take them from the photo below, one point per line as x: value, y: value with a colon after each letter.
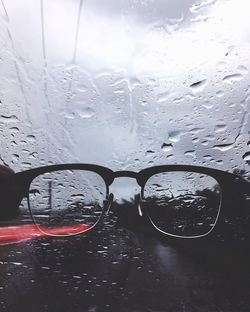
x: 195, y: 140
x: 133, y: 82
x: 190, y: 153
x: 31, y: 138
x: 119, y: 91
x: 208, y: 157
x: 179, y: 100
x: 14, y: 130
x: 223, y: 147
x: 86, y: 112
x: 167, y: 147
x: 171, y: 156
x: 149, y: 153
x: 220, y: 128
x: 196, y: 130
x: 242, y: 69
x: 8, y: 119
x: 207, y: 105
x: 13, y: 143
x: 232, y: 78
x: 219, y: 94
x: 16, y: 263
x: 26, y: 164
x: 210, y: 137
x: 175, y: 136
x: 246, y: 156
x: 162, y: 97
x: 198, y: 86
x: 220, y: 162
x: 82, y: 88
x: 201, y: 5
x: 15, y: 157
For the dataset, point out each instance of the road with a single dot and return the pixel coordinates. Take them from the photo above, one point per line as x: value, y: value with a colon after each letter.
x: 121, y: 268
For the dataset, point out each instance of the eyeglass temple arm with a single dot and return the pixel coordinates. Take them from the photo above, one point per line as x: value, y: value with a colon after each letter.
x: 11, y: 194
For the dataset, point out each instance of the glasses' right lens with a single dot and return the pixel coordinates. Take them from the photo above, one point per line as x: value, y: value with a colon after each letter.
x: 67, y: 202
x: 184, y: 204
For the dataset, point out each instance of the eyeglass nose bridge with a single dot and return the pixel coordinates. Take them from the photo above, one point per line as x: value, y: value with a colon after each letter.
x: 128, y: 174
x: 137, y: 198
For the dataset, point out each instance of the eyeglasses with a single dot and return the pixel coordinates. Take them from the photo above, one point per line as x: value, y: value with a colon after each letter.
x: 178, y: 200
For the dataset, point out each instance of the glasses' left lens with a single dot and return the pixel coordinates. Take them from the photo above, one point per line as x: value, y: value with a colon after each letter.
x: 67, y: 202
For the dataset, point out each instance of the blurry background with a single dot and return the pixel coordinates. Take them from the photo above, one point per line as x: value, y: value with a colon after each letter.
x: 126, y: 84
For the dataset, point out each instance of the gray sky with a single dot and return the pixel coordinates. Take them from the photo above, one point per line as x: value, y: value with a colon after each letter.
x: 110, y: 82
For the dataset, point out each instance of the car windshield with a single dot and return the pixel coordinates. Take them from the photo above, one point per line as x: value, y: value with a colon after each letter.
x: 125, y: 85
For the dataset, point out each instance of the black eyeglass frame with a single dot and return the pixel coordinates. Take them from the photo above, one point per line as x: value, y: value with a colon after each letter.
x: 227, y: 182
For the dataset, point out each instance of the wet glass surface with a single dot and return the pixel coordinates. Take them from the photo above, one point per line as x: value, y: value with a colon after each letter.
x: 126, y: 84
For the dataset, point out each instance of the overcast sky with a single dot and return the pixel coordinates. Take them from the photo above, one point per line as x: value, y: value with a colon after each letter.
x: 111, y: 82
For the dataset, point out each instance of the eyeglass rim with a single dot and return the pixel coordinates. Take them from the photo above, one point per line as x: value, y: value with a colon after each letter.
x: 24, y: 179
x: 109, y: 175
x: 98, y: 221
x: 176, y: 235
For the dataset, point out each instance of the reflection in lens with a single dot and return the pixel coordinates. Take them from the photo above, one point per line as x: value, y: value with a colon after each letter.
x: 67, y: 202
x: 185, y: 204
